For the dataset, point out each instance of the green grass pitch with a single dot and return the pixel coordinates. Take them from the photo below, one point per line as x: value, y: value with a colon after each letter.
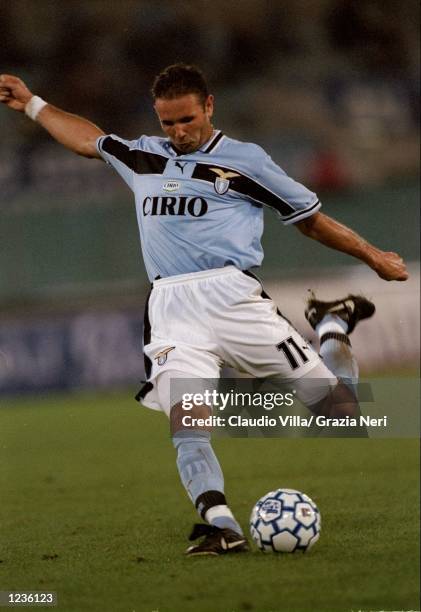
x: 92, y: 508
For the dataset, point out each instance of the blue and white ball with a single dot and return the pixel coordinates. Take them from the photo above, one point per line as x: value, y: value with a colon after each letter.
x: 285, y: 521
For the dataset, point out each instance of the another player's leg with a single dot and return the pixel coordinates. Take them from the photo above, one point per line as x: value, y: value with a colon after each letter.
x: 203, y: 480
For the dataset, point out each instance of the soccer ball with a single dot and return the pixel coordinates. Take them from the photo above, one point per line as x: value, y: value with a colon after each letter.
x: 285, y: 521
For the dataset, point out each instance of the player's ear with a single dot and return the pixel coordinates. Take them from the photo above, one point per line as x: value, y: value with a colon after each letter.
x: 209, y: 105
x: 156, y: 111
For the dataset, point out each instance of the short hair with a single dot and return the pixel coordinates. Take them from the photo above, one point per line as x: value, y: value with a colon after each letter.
x: 179, y: 80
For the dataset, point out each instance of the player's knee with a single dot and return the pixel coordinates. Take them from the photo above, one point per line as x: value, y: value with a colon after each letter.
x: 194, y: 419
x: 339, y: 402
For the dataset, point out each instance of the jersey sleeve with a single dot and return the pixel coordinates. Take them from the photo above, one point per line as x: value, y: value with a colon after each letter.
x: 273, y: 187
x: 119, y: 153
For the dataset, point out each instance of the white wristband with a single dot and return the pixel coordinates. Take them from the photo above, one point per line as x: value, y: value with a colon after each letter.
x: 34, y: 106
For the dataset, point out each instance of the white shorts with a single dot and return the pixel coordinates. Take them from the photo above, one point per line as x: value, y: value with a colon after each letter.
x: 197, y: 323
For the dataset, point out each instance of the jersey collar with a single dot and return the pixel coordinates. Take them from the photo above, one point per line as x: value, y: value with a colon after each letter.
x: 213, y: 141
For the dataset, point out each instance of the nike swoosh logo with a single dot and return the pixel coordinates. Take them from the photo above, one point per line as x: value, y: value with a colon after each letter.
x: 230, y: 545
x: 339, y: 307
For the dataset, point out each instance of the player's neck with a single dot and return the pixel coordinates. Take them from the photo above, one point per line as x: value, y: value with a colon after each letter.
x: 207, y: 138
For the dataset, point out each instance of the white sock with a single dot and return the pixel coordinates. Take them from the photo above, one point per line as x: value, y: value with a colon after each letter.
x: 221, y: 516
x: 337, y: 353
x: 331, y: 323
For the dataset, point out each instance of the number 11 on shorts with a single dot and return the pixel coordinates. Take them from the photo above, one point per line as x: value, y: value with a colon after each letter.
x: 292, y: 352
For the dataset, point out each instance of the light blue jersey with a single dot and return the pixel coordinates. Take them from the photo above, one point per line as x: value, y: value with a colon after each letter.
x: 203, y: 210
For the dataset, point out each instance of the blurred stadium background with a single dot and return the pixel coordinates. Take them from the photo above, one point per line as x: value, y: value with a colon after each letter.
x: 330, y: 88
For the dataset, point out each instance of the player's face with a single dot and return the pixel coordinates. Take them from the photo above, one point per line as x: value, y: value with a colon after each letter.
x: 186, y: 120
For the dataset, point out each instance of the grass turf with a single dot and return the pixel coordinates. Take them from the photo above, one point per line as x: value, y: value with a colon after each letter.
x: 92, y: 507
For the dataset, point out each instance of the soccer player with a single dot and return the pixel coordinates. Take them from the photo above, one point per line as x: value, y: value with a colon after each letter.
x: 199, y: 201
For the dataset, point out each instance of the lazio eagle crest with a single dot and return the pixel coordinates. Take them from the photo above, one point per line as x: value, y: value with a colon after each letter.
x: 222, y: 182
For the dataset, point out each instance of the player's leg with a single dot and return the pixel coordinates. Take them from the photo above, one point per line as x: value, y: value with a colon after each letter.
x: 327, y: 396
x: 333, y: 322
x: 181, y: 344
x: 272, y: 348
x: 199, y: 469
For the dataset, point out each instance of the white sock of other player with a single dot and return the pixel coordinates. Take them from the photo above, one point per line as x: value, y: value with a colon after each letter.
x: 202, y: 478
x: 335, y: 349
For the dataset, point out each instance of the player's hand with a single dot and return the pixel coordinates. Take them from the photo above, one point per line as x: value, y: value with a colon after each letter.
x: 390, y: 266
x: 13, y: 92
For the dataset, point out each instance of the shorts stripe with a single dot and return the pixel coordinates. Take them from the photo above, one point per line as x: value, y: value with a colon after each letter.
x: 147, y: 335
x: 267, y: 297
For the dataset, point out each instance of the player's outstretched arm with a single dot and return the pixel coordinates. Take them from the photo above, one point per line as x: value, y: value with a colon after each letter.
x: 75, y: 133
x: 324, y: 229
